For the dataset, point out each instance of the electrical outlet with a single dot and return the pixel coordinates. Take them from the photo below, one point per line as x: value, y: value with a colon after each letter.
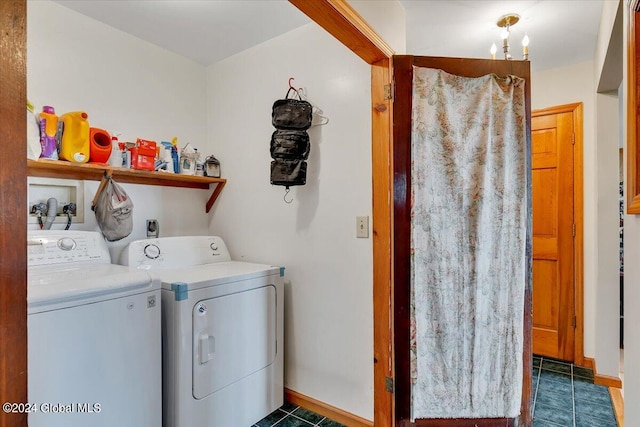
x: 362, y: 227
x: 153, y: 228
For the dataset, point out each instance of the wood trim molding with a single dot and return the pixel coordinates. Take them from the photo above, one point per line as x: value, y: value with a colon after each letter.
x: 607, y: 381
x: 340, y: 20
x: 13, y: 198
x: 598, y: 379
x: 618, y: 405
x: 633, y: 105
x: 325, y: 409
x: 382, y: 237
x: 578, y: 217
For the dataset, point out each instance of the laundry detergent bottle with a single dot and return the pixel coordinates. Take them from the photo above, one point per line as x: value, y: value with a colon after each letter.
x: 75, y: 137
x: 48, y: 122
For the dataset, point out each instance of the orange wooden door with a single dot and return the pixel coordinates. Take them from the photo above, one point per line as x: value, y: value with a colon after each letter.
x: 552, y: 137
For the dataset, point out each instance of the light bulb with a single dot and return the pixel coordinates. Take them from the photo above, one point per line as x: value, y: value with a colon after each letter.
x: 493, y: 51
x: 525, y: 47
x: 504, y: 34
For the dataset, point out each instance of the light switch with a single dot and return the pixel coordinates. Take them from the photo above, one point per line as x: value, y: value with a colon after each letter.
x: 362, y: 227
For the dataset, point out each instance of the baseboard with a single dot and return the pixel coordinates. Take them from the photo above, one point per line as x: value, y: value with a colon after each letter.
x: 336, y: 414
x: 618, y: 405
x: 598, y: 379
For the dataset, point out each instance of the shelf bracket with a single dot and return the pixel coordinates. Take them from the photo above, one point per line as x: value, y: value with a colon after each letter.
x: 214, y: 195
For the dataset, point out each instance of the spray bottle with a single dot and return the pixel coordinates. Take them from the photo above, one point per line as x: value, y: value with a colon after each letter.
x: 116, y: 154
x: 174, y: 155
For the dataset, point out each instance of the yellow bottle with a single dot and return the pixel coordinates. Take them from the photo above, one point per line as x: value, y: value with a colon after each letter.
x: 75, y: 137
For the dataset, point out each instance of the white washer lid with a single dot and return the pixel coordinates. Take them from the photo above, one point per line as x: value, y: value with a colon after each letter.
x: 53, y: 288
x: 201, y: 276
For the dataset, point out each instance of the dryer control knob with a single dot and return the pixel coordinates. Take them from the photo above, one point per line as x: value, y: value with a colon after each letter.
x: 151, y: 251
x: 66, y: 244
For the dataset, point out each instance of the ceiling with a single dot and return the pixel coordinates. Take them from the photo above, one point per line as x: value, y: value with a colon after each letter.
x: 562, y: 32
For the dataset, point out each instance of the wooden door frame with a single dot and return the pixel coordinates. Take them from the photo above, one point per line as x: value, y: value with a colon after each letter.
x: 578, y: 218
x: 13, y: 202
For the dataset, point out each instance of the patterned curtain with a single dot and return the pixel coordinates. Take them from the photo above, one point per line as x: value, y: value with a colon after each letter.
x: 468, y: 235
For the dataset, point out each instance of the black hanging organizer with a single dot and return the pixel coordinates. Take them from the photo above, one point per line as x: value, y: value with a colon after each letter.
x: 290, y: 145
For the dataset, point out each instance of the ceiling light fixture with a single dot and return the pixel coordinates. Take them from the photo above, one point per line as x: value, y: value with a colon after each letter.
x: 506, y: 22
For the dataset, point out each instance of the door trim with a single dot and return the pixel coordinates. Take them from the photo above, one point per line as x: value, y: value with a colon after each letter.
x: 13, y: 221
x: 578, y: 217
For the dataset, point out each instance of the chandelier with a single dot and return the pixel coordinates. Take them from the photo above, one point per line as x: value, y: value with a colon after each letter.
x: 506, y: 22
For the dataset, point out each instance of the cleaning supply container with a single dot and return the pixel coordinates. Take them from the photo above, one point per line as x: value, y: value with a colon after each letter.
x: 115, y: 159
x: 48, y: 129
x: 99, y: 145
x: 75, y: 138
x: 143, y: 155
x: 34, y: 148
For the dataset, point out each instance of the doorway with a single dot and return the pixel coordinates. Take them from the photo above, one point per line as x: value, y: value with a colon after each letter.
x: 402, y: 101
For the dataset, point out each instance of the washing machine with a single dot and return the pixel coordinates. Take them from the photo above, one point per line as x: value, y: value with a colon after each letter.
x: 222, y: 331
x: 94, y: 338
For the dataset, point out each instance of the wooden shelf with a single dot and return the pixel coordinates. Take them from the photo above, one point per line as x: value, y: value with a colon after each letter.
x: 93, y: 172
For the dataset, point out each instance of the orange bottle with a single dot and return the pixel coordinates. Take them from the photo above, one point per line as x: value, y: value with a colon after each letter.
x: 75, y: 137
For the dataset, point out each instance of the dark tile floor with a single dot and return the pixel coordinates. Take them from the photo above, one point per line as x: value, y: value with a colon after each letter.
x: 290, y: 415
x: 563, y: 396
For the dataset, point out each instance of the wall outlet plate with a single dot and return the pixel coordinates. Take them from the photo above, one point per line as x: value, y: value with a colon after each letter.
x: 153, y: 228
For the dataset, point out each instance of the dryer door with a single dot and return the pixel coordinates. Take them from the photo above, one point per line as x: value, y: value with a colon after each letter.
x: 234, y: 336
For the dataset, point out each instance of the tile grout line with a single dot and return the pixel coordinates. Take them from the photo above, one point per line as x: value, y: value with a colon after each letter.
x: 535, y: 395
x: 320, y: 422
x: 573, y: 397
x: 278, y: 422
x: 302, y: 419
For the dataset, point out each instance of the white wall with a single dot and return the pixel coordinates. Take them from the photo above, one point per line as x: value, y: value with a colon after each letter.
x: 607, y: 79
x: 607, y: 333
x: 328, y: 299
x: 385, y: 17
x: 574, y: 83
x: 127, y: 86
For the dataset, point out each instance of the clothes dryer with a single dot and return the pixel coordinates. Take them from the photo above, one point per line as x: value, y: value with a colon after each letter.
x: 222, y: 331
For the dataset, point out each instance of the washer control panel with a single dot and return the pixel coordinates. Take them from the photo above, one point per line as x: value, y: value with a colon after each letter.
x: 48, y: 247
x: 174, y: 252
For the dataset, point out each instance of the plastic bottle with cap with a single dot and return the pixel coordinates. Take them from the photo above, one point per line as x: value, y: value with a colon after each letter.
x: 34, y: 148
x: 75, y: 138
x: 174, y: 155
x: 48, y: 129
x: 116, y: 154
